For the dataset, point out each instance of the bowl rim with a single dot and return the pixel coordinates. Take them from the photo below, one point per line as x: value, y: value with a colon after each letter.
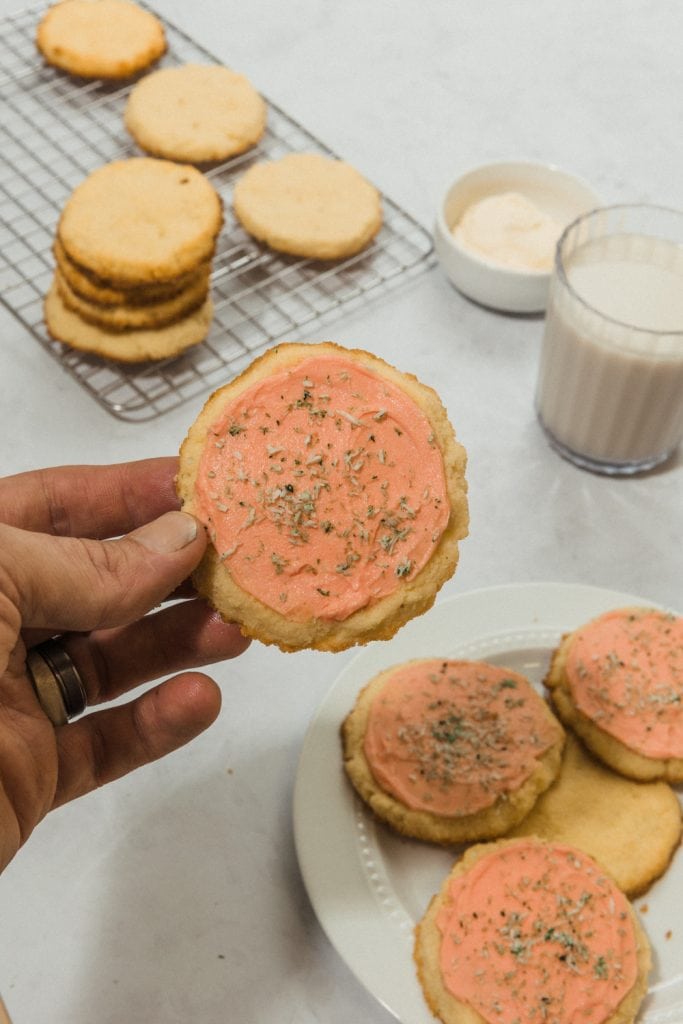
x: 483, y: 261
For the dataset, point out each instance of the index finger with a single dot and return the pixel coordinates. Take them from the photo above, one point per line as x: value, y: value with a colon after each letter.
x: 89, y: 501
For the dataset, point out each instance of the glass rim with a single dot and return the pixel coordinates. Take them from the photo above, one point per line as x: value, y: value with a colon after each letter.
x: 562, y: 275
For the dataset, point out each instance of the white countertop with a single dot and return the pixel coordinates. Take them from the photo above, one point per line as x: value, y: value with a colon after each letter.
x: 174, y: 895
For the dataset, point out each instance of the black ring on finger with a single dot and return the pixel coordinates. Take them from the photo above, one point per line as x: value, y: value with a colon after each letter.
x: 56, y: 681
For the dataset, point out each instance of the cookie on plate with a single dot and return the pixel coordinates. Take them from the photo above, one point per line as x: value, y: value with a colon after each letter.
x: 632, y: 828
x: 100, y: 38
x: 308, y: 205
x: 195, y: 113
x: 130, y: 346
x: 334, y: 494
x: 451, y: 751
x: 523, y: 930
x: 141, y: 220
x: 618, y: 682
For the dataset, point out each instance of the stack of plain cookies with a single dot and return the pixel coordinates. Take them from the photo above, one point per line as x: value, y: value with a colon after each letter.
x: 133, y: 253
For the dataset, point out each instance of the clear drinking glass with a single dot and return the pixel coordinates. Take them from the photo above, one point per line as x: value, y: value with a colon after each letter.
x: 610, y: 384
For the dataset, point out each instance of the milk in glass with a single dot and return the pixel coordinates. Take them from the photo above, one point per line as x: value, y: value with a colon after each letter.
x: 610, y: 388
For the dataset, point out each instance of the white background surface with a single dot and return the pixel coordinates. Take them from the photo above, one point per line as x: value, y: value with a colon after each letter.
x: 174, y: 895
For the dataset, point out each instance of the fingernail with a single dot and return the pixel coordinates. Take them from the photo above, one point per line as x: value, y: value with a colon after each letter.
x: 168, y: 533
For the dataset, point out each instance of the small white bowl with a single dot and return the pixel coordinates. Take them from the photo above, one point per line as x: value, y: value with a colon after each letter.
x: 560, y: 195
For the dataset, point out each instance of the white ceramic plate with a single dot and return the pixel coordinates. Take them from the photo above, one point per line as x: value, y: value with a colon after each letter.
x: 369, y: 887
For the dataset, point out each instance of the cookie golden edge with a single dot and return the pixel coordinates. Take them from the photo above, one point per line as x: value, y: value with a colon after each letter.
x: 101, y: 292
x: 427, y: 943
x: 328, y: 251
x: 59, y: 55
x: 632, y: 828
x: 134, y: 346
x: 123, y: 317
x: 492, y: 822
x: 607, y: 748
x: 378, y: 621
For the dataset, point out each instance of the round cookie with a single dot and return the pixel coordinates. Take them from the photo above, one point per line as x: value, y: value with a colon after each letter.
x: 523, y: 930
x: 100, y: 38
x: 126, y: 317
x: 308, y: 205
x: 333, y: 491
x: 451, y: 751
x: 101, y: 292
x: 632, y: 828
x: 195, y: 113
x: 141, y: 220
x: 617, y: 681
x: 135, y: 346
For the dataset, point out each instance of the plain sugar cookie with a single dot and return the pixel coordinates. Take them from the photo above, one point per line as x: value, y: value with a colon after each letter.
x: 135, y: 346
x: 141, y: 220
x: 451, y: 751
x: 632, y: 828
x: 308, y: 205
x: 100, y: 38
x: 195, y: 113
x: 527, y: 931
x: 333, y: 492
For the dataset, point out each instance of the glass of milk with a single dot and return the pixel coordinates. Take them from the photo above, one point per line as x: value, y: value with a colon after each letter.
x: 610, y: 385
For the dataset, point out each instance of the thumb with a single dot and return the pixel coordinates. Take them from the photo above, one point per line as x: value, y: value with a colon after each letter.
x: 64, y: 583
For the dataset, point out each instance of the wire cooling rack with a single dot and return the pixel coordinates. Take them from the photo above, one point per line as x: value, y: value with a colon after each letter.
x: 56, y: 129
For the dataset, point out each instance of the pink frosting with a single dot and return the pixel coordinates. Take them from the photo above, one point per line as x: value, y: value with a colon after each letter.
x: 537, y: 934
x: 322, y: 488
x: 452, y: 737
x: 625, y: 672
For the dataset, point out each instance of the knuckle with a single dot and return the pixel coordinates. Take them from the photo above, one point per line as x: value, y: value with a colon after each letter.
x: 107, y: 571
x: 12, y: 599
x: 97, y: 756
x: 59, y: 516
x: 145, y: 730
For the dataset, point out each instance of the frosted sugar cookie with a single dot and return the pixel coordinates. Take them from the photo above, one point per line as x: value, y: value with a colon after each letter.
x: 133, y: 346
x: 308, y: 205
x: 632, y: 828
x: 126, y: 317
x: 141, y: 221
x: 333, y: 491
x: 618, y: 682
x: 100, y: 38
x: 526, y: 931
x: 451, y: 751
x: 195, y: 113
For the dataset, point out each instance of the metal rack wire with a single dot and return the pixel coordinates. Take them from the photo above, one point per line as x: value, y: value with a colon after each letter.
x: 56, y: 129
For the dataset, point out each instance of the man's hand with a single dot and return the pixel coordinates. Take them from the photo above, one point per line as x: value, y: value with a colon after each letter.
x: 61, y: 574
